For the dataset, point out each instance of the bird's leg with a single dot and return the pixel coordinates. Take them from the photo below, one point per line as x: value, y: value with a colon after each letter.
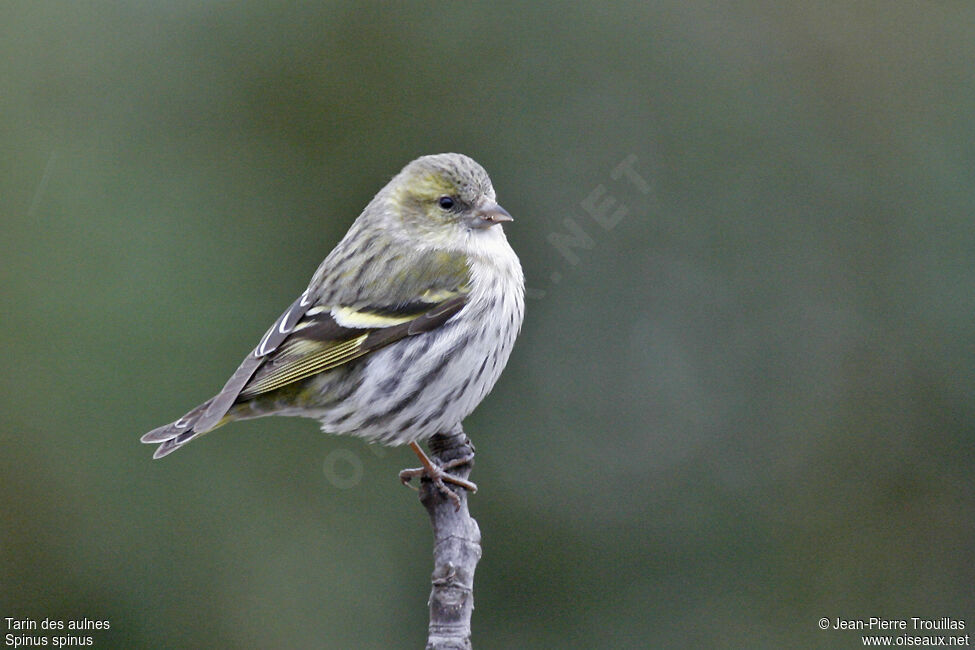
x: 438, y: 474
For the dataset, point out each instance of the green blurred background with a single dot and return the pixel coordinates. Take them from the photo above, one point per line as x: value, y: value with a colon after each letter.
x: 746, y: 406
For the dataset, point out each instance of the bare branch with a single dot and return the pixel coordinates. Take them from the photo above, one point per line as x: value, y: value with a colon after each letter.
x: 456, y: 548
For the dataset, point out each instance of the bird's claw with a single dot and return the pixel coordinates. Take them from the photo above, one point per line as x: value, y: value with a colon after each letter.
x: 439, y: 476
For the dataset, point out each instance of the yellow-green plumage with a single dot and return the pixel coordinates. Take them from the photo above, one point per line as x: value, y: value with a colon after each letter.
x: 403, y: 328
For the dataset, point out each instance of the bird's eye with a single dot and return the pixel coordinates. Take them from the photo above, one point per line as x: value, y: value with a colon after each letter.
x: 445, y: 202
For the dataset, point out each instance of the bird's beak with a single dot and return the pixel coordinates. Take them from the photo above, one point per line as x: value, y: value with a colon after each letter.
x: 490, y: 214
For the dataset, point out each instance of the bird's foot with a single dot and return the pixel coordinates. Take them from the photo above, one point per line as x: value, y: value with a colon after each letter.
x: 438, y: 474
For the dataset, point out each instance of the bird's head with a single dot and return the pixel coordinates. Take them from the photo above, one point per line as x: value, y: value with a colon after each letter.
x: 444, y: 197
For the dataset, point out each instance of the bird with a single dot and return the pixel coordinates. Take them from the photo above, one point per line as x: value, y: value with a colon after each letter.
x: 403, y: 329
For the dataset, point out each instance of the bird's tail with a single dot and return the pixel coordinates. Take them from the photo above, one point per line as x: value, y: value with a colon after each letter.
x: 176, y: 434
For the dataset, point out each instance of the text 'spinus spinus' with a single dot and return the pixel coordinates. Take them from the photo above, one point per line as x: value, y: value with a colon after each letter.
x: 403, y: 329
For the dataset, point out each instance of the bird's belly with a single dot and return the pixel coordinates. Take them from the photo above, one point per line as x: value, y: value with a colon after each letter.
x: 421, y: 385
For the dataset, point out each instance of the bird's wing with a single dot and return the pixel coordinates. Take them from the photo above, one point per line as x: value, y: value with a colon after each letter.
x: 320, y: 342
x: 278, y: 332
x: 325, y: 328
